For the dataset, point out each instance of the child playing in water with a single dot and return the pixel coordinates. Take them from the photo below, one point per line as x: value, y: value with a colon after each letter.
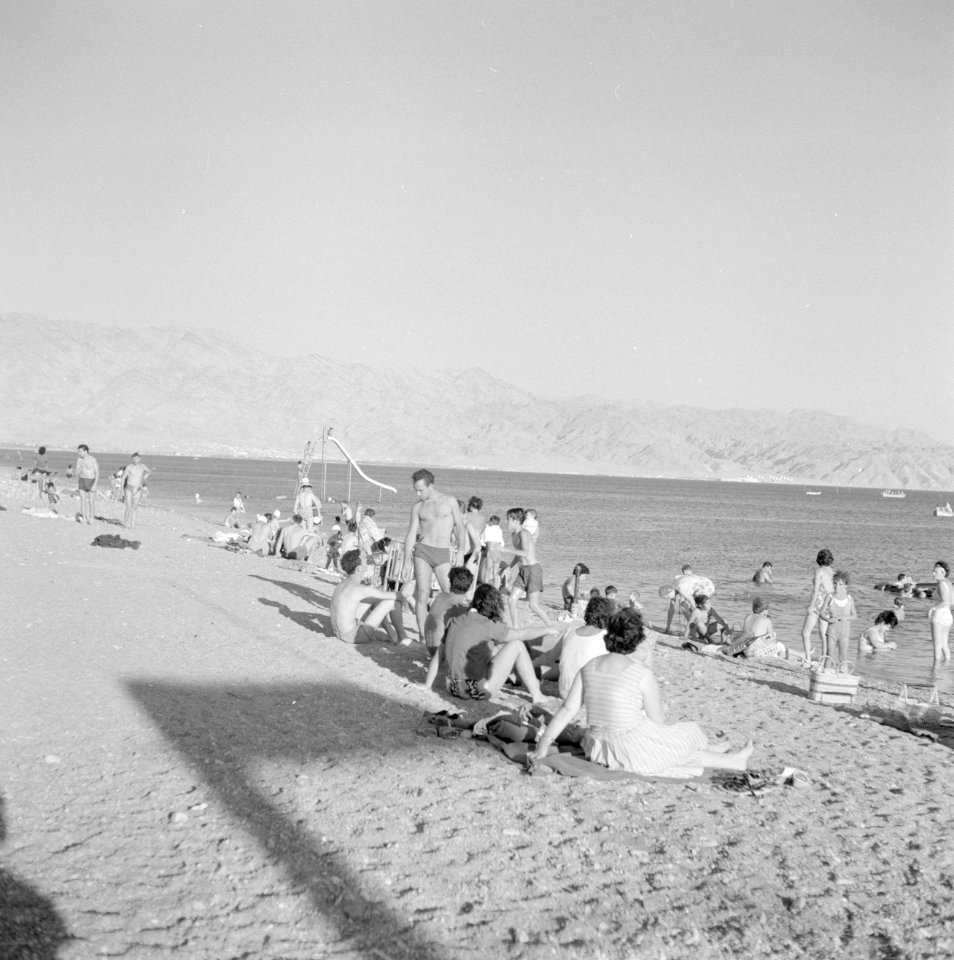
x: 874, y: 637
x: 838, y: 610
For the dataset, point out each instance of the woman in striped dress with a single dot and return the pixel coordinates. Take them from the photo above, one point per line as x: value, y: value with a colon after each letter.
x: 627, y: 726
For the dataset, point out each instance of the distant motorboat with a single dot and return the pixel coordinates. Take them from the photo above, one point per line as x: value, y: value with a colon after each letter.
x: 894, y: 494
x: 813, y: 493
x: 946, y: 511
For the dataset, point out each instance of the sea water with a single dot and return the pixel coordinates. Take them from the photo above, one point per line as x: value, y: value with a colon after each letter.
x: 635, y: 534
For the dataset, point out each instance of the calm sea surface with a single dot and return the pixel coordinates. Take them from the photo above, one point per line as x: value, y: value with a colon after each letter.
x: 636, y: 534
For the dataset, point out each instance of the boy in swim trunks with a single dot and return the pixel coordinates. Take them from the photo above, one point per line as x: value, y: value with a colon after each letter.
x: 530, y: 573
x: 346, y: 600
x: 132, y: 481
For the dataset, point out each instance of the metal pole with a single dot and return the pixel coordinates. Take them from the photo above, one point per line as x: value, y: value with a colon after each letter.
x: 324, y: 467
x: 349, y: 481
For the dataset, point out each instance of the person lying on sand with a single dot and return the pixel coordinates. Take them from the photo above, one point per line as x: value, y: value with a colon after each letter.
x: 481, y: 651
x: 627, y: 727
x: 348, y: 596
x: 874, y: 638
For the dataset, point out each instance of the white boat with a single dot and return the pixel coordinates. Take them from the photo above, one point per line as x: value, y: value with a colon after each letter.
x: 946, y: 511
x: 813, y: 493
x: 894, y: 494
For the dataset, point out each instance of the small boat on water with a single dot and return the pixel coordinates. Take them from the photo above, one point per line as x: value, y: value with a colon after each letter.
x: 946, y: 511
x: 894, y: 494
x: 813, y: 493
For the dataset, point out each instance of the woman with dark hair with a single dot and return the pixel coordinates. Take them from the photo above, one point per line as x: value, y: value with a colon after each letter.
x: 481, y: 651
x: 823, y: 587
x: 627, y: 727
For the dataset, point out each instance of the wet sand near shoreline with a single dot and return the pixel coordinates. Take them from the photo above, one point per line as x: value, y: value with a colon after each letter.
x: 191, y: 765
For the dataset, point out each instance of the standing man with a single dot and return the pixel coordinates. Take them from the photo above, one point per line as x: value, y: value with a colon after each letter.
x: 307, y: 505
x: 435, y: 517
x: 474, y: 523
x: 87, y: 476
x: 530, y: 575
x: 131, y: 482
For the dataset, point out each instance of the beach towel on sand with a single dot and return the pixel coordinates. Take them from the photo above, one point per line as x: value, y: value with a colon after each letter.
x: 114, y: 540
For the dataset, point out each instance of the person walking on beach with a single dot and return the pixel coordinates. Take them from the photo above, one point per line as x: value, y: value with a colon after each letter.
x: 132, y: 480
x: 87, y: 476
x: 940, y: 614
x: 493, y: 544
x: 306, y: 504
x: 435, y: 517
x: 39, y: 473
x: 474, y: 525
x: 822, y: 587
x: 529, y: 571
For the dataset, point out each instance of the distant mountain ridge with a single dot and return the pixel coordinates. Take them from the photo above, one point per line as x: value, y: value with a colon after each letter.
x: 165, y: 390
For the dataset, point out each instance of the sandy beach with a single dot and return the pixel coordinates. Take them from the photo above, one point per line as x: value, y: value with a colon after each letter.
x: 191, y: 765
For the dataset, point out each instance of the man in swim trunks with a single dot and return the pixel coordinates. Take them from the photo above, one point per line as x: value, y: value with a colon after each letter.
x: 529, y: 572
x: 131, y: 481
x: 435, y: 516
x: 294, y: 542
x: 346, y: 601
x: 87, y: 476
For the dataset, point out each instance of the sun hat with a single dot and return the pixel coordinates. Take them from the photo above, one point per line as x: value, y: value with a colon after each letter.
x: 305, y: 482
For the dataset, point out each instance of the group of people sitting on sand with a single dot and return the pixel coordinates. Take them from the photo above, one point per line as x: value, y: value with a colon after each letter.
x: 603, y: 665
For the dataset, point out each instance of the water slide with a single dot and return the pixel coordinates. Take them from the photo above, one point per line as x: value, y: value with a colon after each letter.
x: 351, y: 460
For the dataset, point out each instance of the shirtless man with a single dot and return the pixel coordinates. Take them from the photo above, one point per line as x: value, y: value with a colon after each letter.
x: 295, y: 542
x: 530, y: 573
x: 682, y: 597
x: 346, y: 601
x: 435, y: 516
x: 306, y: 504
x: 474, y: 524
x: 131, y: 481
x: 87, y: 476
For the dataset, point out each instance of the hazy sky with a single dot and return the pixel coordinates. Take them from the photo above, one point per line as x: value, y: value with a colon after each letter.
x: 725, y: 203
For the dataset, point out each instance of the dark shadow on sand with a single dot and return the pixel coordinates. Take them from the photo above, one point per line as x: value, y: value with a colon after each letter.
x: 225, y: 731
x: 296, y: 589
x: 781, y: 687
x: 311, y: 620
x: 30, y: 927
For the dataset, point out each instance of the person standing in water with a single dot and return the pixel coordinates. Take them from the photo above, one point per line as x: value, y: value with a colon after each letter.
x: 822, y: 588
x: 940, y: 614
x: 131, y: 482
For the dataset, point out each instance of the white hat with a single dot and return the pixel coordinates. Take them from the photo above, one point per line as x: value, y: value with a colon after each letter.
x: 276, y: 513
x: 305, y: 482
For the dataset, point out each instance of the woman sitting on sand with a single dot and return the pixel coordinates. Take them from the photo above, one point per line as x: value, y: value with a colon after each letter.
x: 627, y: 725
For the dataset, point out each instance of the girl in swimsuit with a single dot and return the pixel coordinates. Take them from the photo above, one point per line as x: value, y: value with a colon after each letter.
x: 838, y: 610
x: 822, y: 587
x: 940, y: 614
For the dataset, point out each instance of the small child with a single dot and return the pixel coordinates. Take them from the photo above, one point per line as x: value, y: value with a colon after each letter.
x: 571, y: 586
x: 611, y: 593
x: 493, y: 542
x: 634, y: 603
x: 51, y: 495
x: 704, y: 623
x: 874, y: 637
x: 444, y: 608
x: 531, y: 524
x: 838, y: 610
x: 898, y: 609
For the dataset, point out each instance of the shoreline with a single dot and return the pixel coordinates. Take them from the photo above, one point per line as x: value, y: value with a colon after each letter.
x: 193, y: 765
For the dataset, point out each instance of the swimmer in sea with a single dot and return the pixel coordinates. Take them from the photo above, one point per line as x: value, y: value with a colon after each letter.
x: 873, y: 638
x: 435, y: 516
x: 131, y: 482
x: 764, y: 573
x: 940, y: 613
x: 348, y: 596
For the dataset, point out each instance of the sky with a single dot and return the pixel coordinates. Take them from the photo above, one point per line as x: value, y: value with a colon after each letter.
x: 722, y: 203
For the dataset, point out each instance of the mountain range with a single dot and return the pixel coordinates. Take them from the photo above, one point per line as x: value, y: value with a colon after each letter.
x: 166, y: 390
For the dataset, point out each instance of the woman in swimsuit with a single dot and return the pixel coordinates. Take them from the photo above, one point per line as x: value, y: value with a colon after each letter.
x: 940, y: 613
x: 822, y: 587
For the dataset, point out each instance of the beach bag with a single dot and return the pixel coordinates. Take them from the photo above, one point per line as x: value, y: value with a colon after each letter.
x: 833, y: 683
x: 762, y: 647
